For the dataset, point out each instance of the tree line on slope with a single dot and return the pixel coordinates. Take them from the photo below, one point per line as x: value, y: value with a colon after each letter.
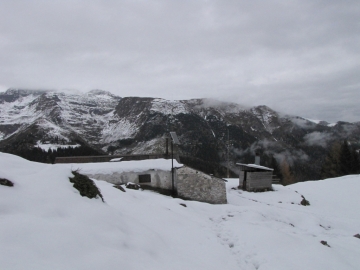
x: 40, y: 155
x: 342, y: 159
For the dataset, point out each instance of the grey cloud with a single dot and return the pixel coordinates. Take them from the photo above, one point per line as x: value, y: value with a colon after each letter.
x: 291, y: 156
x: 298, y: 57
x: 303, y: 123
x: 318, y: 138
x: 272, y: 148
x: 266, y: 145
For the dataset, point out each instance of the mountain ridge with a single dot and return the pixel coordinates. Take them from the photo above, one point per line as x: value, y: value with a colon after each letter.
x: 209, y: 130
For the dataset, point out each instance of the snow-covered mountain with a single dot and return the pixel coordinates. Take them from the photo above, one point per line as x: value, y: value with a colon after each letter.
x: 58, y: 114
x: 206, y: 128
x: 46, y: 224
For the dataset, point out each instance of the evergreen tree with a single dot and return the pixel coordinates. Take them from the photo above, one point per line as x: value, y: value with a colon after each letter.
x: 346, y: 159
x: 355, y: 164
x: 341, y: 160
x: 331, y: 166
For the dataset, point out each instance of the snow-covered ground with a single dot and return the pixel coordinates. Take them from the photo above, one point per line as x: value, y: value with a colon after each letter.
x: 46, y: 224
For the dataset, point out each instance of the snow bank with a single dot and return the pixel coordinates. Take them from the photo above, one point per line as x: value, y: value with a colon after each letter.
x: 46, y: 224
x: 271, y: 230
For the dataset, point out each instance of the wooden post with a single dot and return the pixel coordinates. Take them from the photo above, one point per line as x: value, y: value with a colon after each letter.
x: 172, y: 167
x: 167, y: 147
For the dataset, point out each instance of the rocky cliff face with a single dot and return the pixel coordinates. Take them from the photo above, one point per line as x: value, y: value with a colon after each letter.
x: 209, y: 130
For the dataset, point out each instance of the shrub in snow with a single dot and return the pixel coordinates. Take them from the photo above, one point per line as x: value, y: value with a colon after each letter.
x: 304, y: 201
x: 6, y: 182
x: 119, y: 187
x: 324, y: 243
x: 133, y: 186
x: 85, y: 186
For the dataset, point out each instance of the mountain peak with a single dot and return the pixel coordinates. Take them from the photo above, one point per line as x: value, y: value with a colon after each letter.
x: 97, y: 92
x: 24, y: 92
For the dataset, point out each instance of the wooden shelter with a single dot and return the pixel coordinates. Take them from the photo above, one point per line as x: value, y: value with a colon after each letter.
x: 254, y: 177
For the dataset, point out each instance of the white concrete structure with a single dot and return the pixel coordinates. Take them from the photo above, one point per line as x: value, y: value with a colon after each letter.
x: 155, y: 174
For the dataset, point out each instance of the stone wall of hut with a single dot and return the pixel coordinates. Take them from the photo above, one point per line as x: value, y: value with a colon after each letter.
x: 195, y: 185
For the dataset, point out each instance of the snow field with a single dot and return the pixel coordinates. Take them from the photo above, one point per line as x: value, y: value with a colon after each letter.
x: 46, y: 224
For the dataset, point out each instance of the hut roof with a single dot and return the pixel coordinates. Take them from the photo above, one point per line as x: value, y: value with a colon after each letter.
x: 252, y: 167
x: 123, y: 166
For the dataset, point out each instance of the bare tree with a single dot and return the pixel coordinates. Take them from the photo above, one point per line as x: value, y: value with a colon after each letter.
x: 287, y: 176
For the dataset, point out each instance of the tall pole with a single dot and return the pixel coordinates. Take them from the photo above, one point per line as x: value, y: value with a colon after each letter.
x: 227, y: 154
x: 172, y: 167
x: 167, y: 147
x: 174, y: 140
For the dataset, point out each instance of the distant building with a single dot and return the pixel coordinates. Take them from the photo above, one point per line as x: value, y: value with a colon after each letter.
x: 254, y: 177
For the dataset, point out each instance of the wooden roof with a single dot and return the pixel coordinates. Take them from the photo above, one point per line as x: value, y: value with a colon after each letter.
x: 253, y: 167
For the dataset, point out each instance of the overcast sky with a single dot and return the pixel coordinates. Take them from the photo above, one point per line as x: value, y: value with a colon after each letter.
x: 298, y: 57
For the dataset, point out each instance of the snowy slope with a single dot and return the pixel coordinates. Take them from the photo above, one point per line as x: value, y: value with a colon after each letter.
x: 275, y: 232
x: 46, y: 224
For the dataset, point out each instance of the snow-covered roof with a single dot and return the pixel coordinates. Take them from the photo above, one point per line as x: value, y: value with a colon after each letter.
x: 116, y: 159
x: 255, y: 166
x: 123, y: 166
